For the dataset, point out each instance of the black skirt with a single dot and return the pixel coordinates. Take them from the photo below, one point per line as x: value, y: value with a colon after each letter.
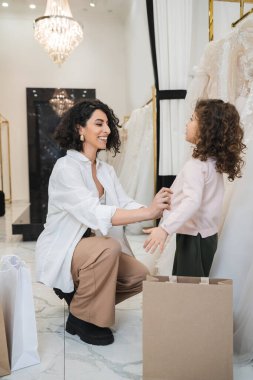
x: 194, y: 255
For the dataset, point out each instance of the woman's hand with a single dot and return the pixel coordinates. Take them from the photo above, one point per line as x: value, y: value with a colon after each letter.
x: 155, y: 210
x: 160, y: 203
x: 156, y: 238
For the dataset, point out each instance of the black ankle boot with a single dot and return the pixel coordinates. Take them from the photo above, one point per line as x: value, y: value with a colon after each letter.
x: 67, y: 296
x: 89, y: 333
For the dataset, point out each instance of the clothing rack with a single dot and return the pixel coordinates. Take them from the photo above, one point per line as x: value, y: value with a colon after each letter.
x: 5, y: 162
x: 153, y: 101
x: 241, y: 18
x: 154, y: 113
x: 242, y: 2
x: 148, y: 102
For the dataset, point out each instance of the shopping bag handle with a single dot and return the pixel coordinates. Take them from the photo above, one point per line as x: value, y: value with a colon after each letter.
x: 8, y: 262
x: 203, y: 280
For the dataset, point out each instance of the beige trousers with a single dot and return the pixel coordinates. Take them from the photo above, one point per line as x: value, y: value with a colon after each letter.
x: 103, y: 276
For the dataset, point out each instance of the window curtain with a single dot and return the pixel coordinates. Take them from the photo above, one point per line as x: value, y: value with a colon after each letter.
x: 170, y: 25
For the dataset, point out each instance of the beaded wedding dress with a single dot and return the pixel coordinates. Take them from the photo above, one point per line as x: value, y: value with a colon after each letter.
x: 226, y: 72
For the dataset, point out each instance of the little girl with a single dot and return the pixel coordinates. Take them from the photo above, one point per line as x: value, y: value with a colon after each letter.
x: 197, y: 198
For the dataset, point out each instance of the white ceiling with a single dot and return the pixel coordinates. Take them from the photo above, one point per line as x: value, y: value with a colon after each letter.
x: 78, y: 7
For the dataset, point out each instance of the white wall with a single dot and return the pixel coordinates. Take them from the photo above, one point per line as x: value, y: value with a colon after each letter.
x: 99, y: 62
x: 139, y: 69
x: 200, y: 32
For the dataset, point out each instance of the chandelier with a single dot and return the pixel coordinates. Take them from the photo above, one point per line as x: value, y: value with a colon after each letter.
x: 57, y: 31
x: 60, y: 101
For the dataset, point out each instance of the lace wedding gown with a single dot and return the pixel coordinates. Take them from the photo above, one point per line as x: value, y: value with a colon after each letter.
x: 226, y: 72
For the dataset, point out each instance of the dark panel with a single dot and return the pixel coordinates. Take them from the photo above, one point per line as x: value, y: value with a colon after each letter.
x: 2, y: 203
x: 43, y: 153
x: 165, y: 181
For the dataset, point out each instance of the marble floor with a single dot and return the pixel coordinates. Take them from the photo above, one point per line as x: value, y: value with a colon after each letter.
x: 66, y: 357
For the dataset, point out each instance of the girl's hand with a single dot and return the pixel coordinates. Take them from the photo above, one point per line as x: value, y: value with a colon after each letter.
x: 156, y: 238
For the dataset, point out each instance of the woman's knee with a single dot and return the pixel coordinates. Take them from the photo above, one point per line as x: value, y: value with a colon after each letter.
x: 113, y: 246
x: 141, y: 276
x: 144, y: 272
x: 141, y: 271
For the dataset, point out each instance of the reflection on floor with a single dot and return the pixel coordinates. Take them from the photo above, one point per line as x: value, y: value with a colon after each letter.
x: 64, y: 356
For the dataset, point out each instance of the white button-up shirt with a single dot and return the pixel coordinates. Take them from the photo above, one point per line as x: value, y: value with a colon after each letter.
x: 73, y: 207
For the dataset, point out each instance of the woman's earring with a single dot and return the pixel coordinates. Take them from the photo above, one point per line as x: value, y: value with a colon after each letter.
x: 82, y: 138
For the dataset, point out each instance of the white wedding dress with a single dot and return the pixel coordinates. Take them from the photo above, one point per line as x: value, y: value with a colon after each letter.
x: 234, y: 258
x: 226, y: 72
x: 135, y: 164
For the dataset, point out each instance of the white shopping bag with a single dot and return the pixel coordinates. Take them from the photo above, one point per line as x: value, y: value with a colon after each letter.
x: 16, y: 299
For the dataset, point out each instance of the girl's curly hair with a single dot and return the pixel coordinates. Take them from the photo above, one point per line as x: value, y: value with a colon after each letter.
x: 67, y: 132
x: 219, y: 136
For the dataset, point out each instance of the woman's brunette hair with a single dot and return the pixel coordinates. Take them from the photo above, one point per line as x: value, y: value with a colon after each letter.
x: 67, y: 132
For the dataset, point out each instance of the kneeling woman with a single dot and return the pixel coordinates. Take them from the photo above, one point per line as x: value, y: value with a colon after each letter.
x: 82, y: 252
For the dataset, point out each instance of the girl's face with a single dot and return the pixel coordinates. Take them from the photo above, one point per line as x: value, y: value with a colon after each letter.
x: 95, y: 132
x: 192, y: 128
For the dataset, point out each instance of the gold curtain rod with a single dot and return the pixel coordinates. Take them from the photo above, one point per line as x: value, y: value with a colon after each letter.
x: 241, y: 18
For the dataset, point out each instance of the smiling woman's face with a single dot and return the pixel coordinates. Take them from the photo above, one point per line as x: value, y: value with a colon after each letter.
x: 95, y: 132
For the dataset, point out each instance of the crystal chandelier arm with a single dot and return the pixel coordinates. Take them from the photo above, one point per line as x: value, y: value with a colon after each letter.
x: 55, y: 16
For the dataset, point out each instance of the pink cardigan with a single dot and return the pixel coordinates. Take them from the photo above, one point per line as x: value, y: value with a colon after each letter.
x: 197, y: 199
